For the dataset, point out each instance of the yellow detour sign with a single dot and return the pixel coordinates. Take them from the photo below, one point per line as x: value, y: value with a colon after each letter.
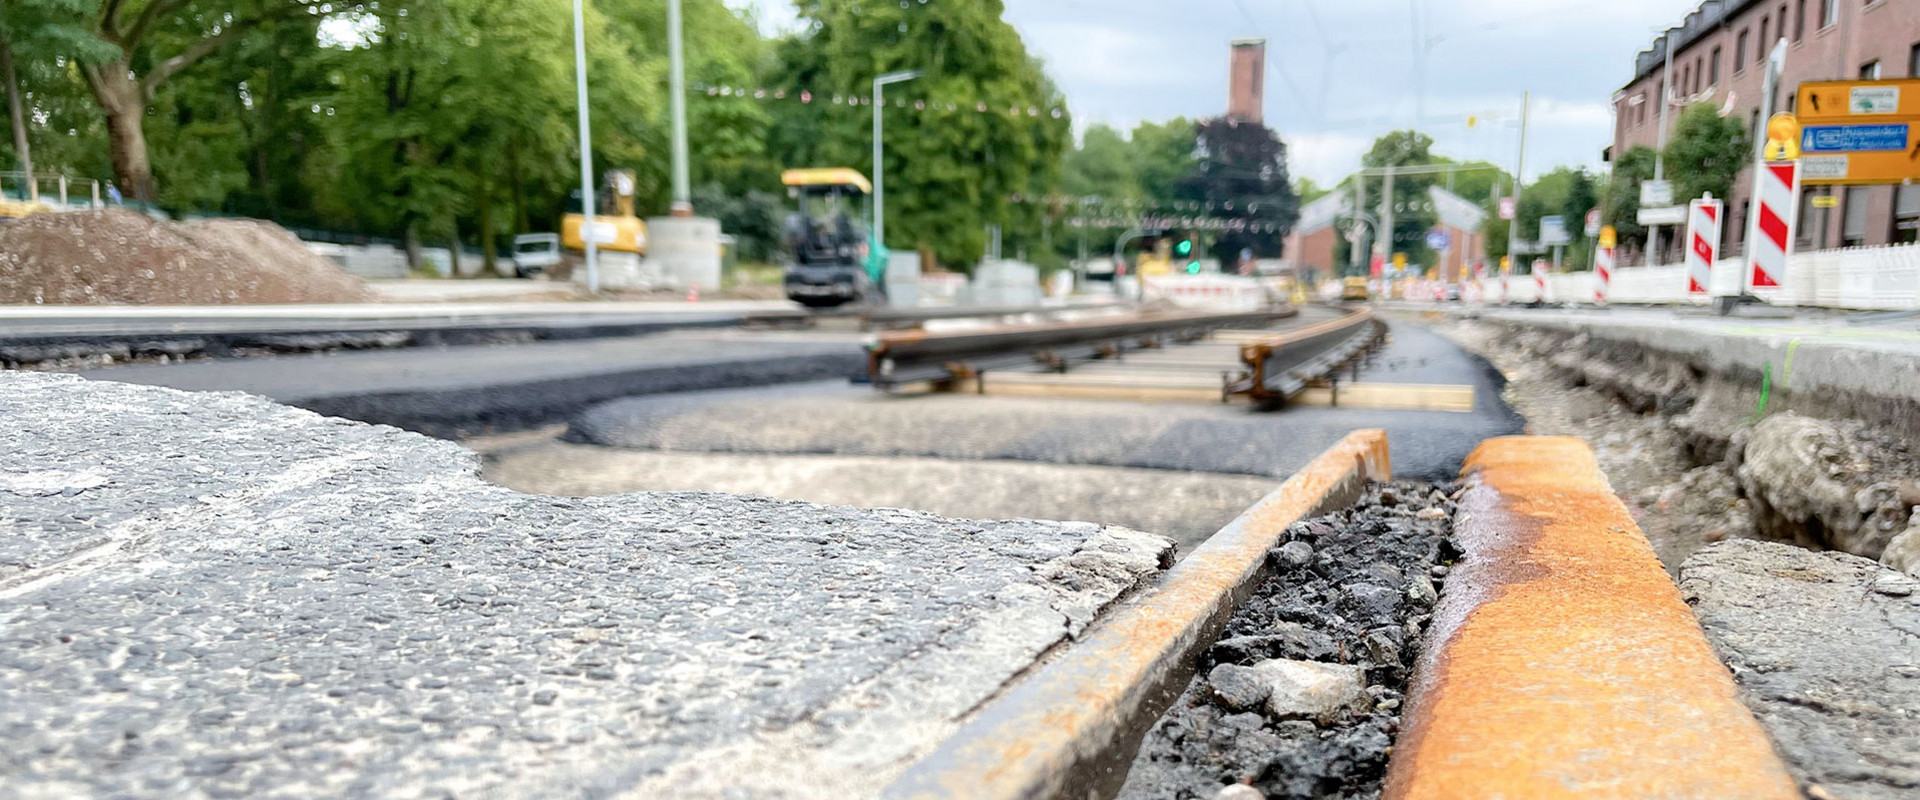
x: 1826, y: 201
x: 1783, y: 137
x: 1857, y: 132
x: 1608, y: 236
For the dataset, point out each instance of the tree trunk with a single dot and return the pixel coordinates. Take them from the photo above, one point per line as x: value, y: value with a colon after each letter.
x: 16, y: 112
x: 126, y: 108
x: 489, y: 254
x: 518, y: 182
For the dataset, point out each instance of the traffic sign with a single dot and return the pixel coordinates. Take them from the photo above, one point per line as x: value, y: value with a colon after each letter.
x: 1593, y: 222
x: 1857, y: 132
x: 1778, y: 198
x: 1553, y: 231
x: 1656, y: 193
x: 1437, y: 240
x: 1399, y: 262
x: 1506, y: 208
x: 1826, y: 201
x: 1609, y: 238
x: 1703, y: 242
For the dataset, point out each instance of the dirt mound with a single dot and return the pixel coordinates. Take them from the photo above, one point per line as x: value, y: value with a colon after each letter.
x: 115, y: 256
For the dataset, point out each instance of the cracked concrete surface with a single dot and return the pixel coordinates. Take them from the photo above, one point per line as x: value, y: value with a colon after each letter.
x: 1826, y: 650
x: 209, y: 595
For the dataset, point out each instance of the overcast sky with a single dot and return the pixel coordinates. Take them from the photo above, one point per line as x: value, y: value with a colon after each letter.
x: 1122, y: 61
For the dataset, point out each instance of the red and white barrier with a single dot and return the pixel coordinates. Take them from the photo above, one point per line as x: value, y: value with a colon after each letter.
x: 1603, y: 268
x: 1776, y: 203
x: 1540, y: 279
x: 1703, y: 242
x: 1214, y: 291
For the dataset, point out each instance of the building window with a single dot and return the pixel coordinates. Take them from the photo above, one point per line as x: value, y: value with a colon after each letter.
x: 1781, y: 15
x: 1913, y: 62
x: 1761, y: 52
x: 1740, y: 52
x: 1713, y: 73
x: 1686, y: 79
x: 1870, y: 70
x: 1853, y: 227
x: 1799, y: 19
x: 1829, y: 13
x: 1699, y: 72
x: 1753, y: 127
x: 1906, y: 215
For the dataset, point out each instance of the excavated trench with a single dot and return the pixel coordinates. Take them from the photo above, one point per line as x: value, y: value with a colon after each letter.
x: 1301, y: 697
x: 1701, y: 455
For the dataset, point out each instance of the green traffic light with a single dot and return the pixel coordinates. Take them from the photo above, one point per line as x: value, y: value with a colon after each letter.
x: 1193, y: 268
x: 1183, y: 247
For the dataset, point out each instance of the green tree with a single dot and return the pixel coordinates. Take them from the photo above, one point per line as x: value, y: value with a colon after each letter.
x: 1242, y: 177
x: 156, y: 40
x: 1706, y: 152
x: 1163, y: 154
x: 952, y: 169
x: 1413, y: 213
x: 1620, y: 204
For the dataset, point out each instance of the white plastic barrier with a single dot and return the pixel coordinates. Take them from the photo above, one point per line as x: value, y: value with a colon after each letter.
x: 1213, y: 291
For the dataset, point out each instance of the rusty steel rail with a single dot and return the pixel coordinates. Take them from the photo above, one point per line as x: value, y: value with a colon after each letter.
x: 1285, y: 364
x: 895, y: 358
x: 1071, y: 728
x: 1562, y: 661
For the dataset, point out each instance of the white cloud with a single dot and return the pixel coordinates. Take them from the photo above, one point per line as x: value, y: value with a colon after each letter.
x: 1121, y: 61
x: 1325, y: 157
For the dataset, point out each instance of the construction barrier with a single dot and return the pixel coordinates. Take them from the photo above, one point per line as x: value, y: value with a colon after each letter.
x: 1879, y: 278
x: 1214, y: 291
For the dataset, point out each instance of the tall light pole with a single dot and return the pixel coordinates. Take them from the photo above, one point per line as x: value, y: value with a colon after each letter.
x: 879, y: 167
x: 586, y: 148
x: 1660, y: 140
x: 1519, y: 169
x: 677, y: 106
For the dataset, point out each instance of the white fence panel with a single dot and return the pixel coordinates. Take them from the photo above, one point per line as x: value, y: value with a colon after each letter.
x: 1880, y: 277
x: 1211, y: 291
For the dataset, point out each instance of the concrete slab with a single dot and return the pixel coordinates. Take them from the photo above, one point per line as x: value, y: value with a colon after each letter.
x: 210, y: 595
x: 1825, y: 355
x: 1826, y: 649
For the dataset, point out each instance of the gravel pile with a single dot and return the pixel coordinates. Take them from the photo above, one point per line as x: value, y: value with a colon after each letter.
x: 115, y: 256
x: 1301, y: 697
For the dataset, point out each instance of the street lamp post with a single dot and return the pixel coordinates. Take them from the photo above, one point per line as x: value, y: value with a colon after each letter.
x: 677, y: 106
x: 586, y: 147
x: 1660, y: 138
x: 879, y: 168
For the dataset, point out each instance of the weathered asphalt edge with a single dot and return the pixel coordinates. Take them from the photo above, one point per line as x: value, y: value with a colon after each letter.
x: 1072, y: 727
x: 300, y: 337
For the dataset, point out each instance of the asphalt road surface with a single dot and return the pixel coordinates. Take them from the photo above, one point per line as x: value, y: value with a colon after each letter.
x: 460, y: 389
x: 838, y: 419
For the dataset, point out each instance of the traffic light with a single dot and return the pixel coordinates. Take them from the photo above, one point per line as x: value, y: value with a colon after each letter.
x: 1184, y: 247
x: 1193, y: 267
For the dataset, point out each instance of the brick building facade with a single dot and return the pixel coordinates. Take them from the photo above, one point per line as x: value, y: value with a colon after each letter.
x: 1719, y: 57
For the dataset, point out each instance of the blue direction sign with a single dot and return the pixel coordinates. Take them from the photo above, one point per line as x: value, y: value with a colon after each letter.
x: 1437, y: 240
x: 1853, y: 138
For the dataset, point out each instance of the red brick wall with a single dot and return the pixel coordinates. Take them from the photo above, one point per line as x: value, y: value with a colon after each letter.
x: 1245, y: 86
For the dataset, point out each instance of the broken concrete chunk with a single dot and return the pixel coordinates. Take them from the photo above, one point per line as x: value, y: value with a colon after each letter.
x: 1237, y: 687
x: 1903, y: 553
x: 1311, y: 689
x: 1288, y: 689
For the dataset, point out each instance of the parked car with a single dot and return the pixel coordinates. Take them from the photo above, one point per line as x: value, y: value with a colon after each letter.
x: 535, y: 253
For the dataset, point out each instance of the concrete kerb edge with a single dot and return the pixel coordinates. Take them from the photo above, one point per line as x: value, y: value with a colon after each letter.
x: 1072, y: 727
